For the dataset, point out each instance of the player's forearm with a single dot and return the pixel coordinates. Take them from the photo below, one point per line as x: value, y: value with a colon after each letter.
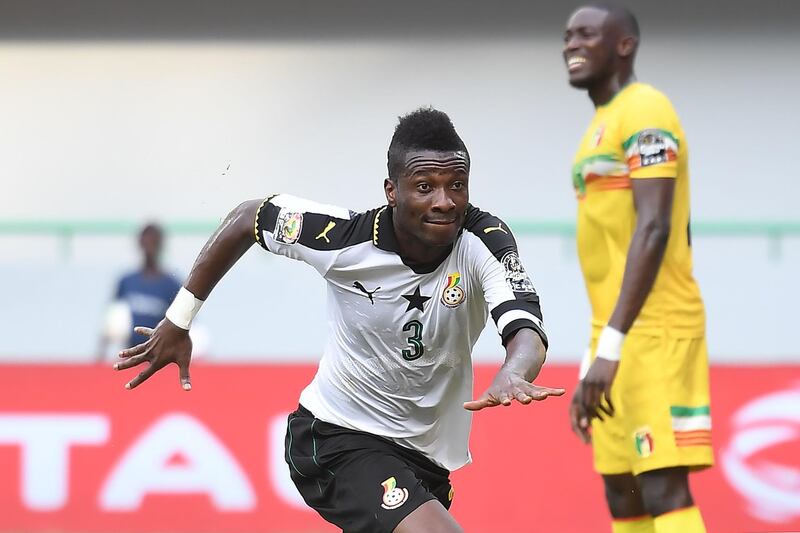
x: 641, y: 268
x: 525, y: 354
x: 229, y: 242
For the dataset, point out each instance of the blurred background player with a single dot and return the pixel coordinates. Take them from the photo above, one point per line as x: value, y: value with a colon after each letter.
x: 648, y: 321
x: 141, y: 297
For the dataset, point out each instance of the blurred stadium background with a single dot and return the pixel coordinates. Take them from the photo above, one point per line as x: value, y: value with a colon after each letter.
x: 118, y: 113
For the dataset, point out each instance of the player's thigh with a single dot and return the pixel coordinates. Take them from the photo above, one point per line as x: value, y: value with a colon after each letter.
x: 665, y: 490
x: 376, y: 491
x: 430, y: 517
x: 623, y: 496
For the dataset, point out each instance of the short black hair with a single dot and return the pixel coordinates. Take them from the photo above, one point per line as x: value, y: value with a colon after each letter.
x: 620, y: 14
x: 425, y: 128
x: 151, y: 227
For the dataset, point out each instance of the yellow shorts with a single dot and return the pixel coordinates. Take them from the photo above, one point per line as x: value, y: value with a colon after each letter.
x: 662, y: 414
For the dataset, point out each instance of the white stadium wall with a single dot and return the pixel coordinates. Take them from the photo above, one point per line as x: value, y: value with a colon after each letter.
x: 174, y: 129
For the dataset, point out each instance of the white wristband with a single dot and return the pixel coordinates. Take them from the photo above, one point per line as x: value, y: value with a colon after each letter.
x: 586, y: 362
x: 609, y: 346
x: 183, y: 309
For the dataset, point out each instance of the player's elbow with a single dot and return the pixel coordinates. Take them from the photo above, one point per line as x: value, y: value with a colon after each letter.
x: 656, y: 231
x: 241, y: 220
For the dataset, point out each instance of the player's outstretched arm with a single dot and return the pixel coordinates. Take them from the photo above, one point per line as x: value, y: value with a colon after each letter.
x: 525, y: 355
x: 169, y: 342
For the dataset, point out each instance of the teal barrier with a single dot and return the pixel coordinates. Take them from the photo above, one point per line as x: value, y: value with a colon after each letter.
x: 774, y: 231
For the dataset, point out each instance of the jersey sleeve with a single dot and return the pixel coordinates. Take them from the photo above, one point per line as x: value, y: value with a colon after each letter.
x: 300, y: 229
x: 509, y: 293
x: 649, y: 132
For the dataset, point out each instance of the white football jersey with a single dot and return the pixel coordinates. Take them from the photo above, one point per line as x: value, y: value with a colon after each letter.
x: 397, y: 361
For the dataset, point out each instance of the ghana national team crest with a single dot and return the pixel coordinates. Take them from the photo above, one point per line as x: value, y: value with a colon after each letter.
x: 288, y: 226
x: 643, y: 442
x: 393, y: 496
x: 453, y: 294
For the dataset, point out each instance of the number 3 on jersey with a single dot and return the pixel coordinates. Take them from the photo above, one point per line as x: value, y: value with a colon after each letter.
x: 414, y: 341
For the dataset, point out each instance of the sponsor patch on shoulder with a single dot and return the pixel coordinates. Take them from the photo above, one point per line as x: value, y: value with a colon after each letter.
x: 516, y: 277
x: 652, y: 147
x: 288, y: 226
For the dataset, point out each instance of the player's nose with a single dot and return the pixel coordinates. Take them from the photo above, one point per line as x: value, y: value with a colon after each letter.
x: 442, y: 201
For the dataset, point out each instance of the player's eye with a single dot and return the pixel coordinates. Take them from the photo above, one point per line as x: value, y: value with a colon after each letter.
x: 457, y: 186
x: 423, y: 187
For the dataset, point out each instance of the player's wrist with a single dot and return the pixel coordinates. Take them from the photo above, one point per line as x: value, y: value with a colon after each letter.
x: 609, y: 345
x: 183, y: 309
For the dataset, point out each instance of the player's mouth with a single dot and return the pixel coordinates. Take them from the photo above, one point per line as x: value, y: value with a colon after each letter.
x: 443, y: 222
x: 575, y: 62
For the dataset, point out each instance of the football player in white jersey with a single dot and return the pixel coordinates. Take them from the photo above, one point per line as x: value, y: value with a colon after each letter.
x: 410, y: 287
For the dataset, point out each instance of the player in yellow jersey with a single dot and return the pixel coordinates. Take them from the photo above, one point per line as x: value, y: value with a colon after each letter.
x: 643, y: 399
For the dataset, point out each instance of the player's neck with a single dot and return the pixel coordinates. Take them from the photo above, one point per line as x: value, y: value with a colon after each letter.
x: 605, y: 91
x: 415, y: 252
x: 151, y: 269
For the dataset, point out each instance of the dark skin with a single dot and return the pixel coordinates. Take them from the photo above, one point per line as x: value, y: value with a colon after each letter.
x: 429, y: 203
x: 150, y: 242
x: 599, y: 50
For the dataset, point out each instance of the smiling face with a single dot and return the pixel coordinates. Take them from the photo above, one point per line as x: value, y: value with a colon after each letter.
x: 589, y: 47
x: 430, y: 198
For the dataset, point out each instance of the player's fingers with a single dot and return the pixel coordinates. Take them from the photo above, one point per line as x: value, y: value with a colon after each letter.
x: 610, y: 404
x: 579, y: 423
x: 130, y: 362
x: 540, y: 393
x: 476, y: 405
x: 186, y: 380
x: 141, y: 330
x: 587, y: 397
x: 523, y: 397
x: 505, y: 398
x: 142, y: 377
x: 133, y: 350
x: 583, y: 424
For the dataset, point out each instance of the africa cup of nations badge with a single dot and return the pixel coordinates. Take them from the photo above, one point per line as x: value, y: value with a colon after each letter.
x: 288, y: 226
x: 453, y: 294
x: 393, y: 496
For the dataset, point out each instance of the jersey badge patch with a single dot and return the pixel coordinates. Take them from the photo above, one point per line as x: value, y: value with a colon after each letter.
x: 453, y: 294
x: 516, y: 277
x: 643, y: 442
x: 652, y: 147
x: 288, y: 226
x: 597, y: 138
x: 393, y: 496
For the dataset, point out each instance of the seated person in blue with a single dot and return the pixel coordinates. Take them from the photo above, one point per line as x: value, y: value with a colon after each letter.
x: 145, y: 293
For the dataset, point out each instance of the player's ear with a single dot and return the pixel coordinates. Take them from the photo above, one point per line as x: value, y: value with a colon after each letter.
x: 627, y: 46
x: 390, y: 189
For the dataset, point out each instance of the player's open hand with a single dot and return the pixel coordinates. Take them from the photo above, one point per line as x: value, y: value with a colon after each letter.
x: 578, y: 418
x: 596, y: 388
x: 167, y: 344
x: 507, y: 387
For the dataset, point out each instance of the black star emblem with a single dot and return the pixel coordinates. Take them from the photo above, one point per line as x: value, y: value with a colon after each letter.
x: 416, y: 300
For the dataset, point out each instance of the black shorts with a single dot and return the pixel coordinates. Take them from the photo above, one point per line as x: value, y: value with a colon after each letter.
x: 358, y: 481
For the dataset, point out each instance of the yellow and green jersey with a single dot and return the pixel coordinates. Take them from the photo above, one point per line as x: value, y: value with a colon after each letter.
x: 637, y: 135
